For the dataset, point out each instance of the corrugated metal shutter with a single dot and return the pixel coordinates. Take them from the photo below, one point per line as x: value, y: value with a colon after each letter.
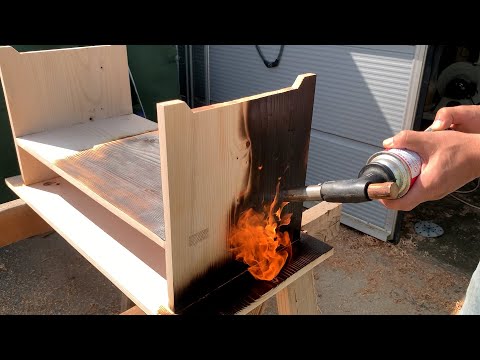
x: 364, y: 94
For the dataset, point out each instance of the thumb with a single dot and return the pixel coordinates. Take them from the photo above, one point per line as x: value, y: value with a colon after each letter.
x: 406, y: 139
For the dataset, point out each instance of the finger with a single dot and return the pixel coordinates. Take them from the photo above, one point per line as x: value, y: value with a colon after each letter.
x: 447, y: 117
x: 443, y: 119
x: 407, y: 139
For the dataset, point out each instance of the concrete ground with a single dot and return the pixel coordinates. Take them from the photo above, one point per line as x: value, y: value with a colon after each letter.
x: 45, y: 275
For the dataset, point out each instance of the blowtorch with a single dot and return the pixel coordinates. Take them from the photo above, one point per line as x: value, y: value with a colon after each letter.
x: 388, y: 174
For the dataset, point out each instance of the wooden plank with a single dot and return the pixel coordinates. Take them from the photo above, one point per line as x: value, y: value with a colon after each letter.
x: 18, y: 221
x: 60, y: 143
x: 37, y: 171
x: 48, y: 89
x: 242, y: 294
x: 322, y: 220
x: 298, y: 298
x: 122, y: 175
x: 135, y: 310
x: 131, y: 261
x: 219, y: 160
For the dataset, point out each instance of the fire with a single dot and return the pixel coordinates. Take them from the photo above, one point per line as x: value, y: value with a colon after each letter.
x: 256, y: 240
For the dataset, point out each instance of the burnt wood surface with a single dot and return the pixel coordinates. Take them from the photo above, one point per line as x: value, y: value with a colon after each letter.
x: 278, y: 127
x: 126, y: 173
x: 230, y: 289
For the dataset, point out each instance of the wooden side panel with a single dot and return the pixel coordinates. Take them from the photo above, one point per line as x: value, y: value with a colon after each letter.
x: 220, y: 160
x: 18, y: 221
x: 55, y: 88
x: 279, y: 130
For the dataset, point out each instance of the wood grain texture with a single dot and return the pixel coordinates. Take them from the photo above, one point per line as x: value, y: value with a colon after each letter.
x: 122, y: 175
x: 48, y: 89
x: 322, y: 221
x: 37, y: 171
x: 210, y: 158
x: 278, y: 128
x: 18, y: 221
x: 298, y: 298
x: 131, y: 261
x: 56, y: 144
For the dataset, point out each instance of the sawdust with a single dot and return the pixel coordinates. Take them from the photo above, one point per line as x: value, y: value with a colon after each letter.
x: 399, y: 272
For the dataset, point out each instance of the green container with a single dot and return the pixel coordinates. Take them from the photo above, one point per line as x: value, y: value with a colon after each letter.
x: 154, y: 70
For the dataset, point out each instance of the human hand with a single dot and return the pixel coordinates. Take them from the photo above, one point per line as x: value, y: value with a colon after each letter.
x: 464, y: 118
x: 450, y: 159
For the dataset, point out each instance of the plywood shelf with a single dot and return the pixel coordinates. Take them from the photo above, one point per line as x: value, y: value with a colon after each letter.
x: 115, y: 161
x: 130, y: 260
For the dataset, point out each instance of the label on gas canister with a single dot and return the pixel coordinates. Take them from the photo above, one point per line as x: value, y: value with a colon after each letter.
x: 411, y: 159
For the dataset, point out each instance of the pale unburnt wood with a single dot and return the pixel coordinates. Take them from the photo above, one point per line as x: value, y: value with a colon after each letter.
x: 322, y: 221
x: 131, y: 261
x: 18, y: 221
x: 134, y: 310
x: 48, y: 89
x: 299, y: 298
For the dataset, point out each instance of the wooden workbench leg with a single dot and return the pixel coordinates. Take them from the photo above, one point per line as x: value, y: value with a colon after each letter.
x: 299, y: 298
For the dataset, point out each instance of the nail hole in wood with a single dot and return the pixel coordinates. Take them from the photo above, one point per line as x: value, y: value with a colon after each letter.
x: 48, y: 183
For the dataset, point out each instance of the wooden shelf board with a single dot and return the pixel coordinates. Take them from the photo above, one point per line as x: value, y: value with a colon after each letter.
x: 242, y: 293
x: 115, y: 161
x: 131, y: 261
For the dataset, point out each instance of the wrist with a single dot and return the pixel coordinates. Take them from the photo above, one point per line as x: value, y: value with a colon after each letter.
x: 474, y: 154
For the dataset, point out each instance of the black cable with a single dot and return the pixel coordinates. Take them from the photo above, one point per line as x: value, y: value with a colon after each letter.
x: 271, y: 64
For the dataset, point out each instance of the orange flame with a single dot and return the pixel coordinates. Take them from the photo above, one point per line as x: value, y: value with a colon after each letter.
x: 256, y: 240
